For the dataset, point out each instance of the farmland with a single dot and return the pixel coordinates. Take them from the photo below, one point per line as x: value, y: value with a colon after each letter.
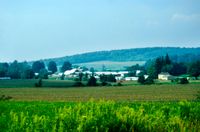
x: 114, y: 65
x: 99, y: 116
x: 163, y: 92
x: 132, y: 107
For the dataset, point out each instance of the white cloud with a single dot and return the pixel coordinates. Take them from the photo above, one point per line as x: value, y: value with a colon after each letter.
x: 185, y: 17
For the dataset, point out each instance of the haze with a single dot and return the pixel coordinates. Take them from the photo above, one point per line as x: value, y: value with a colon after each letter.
x: 31, y: 30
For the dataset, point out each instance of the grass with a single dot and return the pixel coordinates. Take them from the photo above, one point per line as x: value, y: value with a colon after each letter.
x: 99, y: 116
x: 114, y: 65
x: 131, y: 107
x: 30, y: 83
x: 165, y: 92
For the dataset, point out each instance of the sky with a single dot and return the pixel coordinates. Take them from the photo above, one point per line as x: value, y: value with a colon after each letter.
x: 38, y: 29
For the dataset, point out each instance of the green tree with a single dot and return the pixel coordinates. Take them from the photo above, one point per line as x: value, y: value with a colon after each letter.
x: 28, y: 74
x: 178, y: 69
x: 141, y: 79
x: 151, y: 71
x: 37, y: 66
x: 158, y: 65
x: 149, y: 80
x: 14, y: 70
x: 92, y: 81
x: 3, y: 69
x: 92, y: 70
x: 43, y: 74
x: 167, y: 60
x: 52, y: 66
x: 80, y: 76
x: 167, y: 68
x: 111, y: 78
x: 66, y: 66
x: 194, y: 69
x: 103, y: 78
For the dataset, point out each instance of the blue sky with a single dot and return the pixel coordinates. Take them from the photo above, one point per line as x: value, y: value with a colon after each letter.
x: 31, y: 30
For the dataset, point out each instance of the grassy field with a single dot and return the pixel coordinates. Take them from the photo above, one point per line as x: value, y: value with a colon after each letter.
x: 31, y: 83
x: 132, y: 107
x: 165, y: 92
x: 101, y: 116
x: 114, y: 65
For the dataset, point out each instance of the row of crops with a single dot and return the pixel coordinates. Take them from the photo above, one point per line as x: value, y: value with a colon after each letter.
x: 99, y: 116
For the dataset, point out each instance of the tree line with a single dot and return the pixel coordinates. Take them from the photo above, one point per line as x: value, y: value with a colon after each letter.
x: 38, y: 69
x: 165, y: 64
x: 23, y: 70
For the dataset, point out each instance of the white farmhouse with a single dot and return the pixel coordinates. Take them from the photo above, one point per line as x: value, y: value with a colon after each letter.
x: 131, y: 78
x: 165, y: 76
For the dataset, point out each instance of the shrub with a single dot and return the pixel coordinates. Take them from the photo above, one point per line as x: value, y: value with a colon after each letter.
x: 92, y: 81
x: 39, y: 83
x: 180, y: 80
x: 4, y: 98
x: 104, y: 83
x: 141, y: 79
x: 183, y: 81
x: 78, y: 84
x: 149, y: 80
x: 119, y: 84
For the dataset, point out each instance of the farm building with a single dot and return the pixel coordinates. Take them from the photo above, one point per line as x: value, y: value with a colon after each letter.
x: 165, y: 76
x: 131, y: 78
x: 5, y: 78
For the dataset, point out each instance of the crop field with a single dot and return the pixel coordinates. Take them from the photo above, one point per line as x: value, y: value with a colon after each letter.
x: 127, y: 108
x: 165, y: 92
x: 99, y: 116
x: 114, y: 65
x: 30, y: 83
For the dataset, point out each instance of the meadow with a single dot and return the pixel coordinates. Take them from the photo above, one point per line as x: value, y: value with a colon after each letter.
x: 132, y: 107
x: 99, y: 116
x: 114, y: 65
x: 162, y: 92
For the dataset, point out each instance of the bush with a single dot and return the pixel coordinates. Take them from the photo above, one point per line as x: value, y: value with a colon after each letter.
x: 119, y: 84
x: 141, y: 79
x: 4, y: 98
x: 149, y: 80
x: 180, y: 81
x: 39, y: 83
x: 183, y: 81
x: 92, y: 81
x: 104, y: 83
x: 78, y: 84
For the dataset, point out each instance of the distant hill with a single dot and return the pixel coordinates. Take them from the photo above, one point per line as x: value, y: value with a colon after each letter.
x: 137, y: 54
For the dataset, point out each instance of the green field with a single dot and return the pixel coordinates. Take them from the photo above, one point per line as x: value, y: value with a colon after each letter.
x: 60, y: 107
x: 165, y: 92
x: 99, y: 116
x: 31, y: 83
x: 114, y: 65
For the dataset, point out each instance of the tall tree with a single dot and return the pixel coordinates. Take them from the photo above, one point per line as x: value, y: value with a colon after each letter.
x: 3, y: 69
x: 141, y: 79
x: 167, y: 60
x: 14, y: 70
x: 158, y: 65
x: 43, y: 74
x: 28, y: 74
x: 92, y: 81
x: 66, y: 66
x: 52, y: 66
x: 151, y: 71
x: 37, y: 66
x: 178, y: 69
x: 194, y: 69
